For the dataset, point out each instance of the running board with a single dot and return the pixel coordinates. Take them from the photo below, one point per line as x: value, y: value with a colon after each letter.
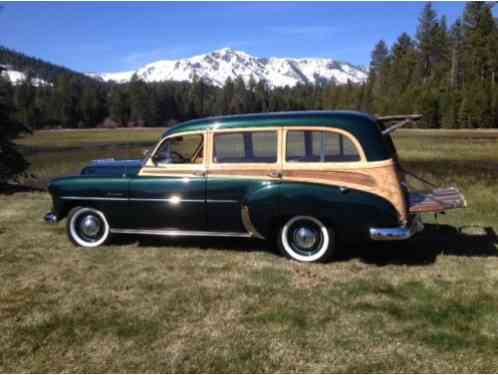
x: 180, y: 233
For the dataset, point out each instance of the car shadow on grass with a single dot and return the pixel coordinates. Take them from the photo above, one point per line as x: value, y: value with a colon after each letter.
x: 198, y: 243
x: 423, y: 249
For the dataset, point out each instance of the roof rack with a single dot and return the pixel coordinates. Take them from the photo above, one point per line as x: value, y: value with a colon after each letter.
x: 399, y: 121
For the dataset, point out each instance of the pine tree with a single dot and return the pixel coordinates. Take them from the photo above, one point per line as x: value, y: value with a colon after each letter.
x: 377, y: 80
x: 139, y: 102
x: 456, y: 42
x: 89, y: 106
x: 119, y: 105
x: 404, y: 62
x: 442, y: 51
x: 25, y: 101
x: 66, y: 97
x: 426, y: 35
x: 12, y: 163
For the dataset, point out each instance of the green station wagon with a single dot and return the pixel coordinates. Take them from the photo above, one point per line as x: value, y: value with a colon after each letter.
x: 306, y: 179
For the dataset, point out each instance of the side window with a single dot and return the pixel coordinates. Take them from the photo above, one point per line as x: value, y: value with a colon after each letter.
x: 245, y: 147
x: 319, y: 146
x: 187, y: 149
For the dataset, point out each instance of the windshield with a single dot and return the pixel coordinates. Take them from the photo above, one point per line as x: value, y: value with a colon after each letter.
x: 181, y: 150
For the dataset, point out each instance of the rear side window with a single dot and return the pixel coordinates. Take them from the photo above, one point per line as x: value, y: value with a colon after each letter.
x: 319, y: 146
x: 245, y: 147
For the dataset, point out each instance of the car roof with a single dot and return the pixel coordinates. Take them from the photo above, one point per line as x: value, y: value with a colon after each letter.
x: 335, y: 119
x: 361, y: 125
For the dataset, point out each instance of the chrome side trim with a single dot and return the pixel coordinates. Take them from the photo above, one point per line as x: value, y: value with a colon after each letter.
x: 94, y: 198
x: 172, y: 200
x: 397, y: 233
x: 248, y: 225
x: 222, y: 201
x: 180, y: 233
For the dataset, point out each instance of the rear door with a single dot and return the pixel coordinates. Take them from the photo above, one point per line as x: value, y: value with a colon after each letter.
x: 241, y: 162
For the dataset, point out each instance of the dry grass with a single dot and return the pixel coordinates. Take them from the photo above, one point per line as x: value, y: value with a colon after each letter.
x: 70, y: 138
x: 145, y: 304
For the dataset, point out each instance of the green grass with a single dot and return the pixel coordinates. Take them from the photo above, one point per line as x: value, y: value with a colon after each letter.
x: 144, y: 304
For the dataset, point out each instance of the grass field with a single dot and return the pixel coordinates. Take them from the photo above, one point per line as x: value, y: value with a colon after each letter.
x: 426, y: 305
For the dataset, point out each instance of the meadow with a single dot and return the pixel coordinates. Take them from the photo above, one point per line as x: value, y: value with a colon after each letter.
x: 429, y: 304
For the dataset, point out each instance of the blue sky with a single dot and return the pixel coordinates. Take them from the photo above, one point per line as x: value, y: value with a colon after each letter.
x: 107, y: 37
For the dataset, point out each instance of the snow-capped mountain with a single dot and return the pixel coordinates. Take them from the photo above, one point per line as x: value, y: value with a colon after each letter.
x: 216, y: 67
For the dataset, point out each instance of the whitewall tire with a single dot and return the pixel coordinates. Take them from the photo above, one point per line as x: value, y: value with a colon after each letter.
x: 306, y: 239
x: 87, y: 227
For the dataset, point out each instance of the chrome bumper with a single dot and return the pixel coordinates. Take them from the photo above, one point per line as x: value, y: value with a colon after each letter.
x: 51, y: 218
x: 397, y: 233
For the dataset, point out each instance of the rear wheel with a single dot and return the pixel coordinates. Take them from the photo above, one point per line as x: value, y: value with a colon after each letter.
x: 306, y: 239
x: 87, y: 227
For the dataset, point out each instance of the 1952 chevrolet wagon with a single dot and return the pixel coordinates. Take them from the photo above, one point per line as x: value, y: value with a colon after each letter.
x: 307, y: 179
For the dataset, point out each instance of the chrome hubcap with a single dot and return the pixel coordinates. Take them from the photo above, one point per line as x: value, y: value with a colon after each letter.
x: 305, y: 238
x: 90, y: 226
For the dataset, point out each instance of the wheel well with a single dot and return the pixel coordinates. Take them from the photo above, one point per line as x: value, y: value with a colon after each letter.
x: 278, y: 221
x: 69, y: 205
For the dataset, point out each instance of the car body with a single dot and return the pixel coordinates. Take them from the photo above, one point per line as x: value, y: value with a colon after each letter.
x: 309, y: 178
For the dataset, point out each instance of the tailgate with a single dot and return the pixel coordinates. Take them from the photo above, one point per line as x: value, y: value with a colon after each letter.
x: 436, y: 201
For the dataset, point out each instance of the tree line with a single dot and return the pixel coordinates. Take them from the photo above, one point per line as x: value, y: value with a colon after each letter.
x: 447, y: 73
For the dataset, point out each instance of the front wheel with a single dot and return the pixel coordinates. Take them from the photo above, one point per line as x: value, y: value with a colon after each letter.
x: 306, y: 239
x: 87, y: 227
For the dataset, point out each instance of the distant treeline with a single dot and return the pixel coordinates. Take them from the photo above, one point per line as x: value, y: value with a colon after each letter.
x: 449, y: 74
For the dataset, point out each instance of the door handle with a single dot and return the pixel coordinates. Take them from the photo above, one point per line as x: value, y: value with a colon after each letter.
x: 199, y: 173
x: 343, y: 189
x: 275, y: 174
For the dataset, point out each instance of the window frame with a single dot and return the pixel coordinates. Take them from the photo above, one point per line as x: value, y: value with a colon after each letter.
x: 179, y: 166
x: 220, y: 165
x: 329, y: 164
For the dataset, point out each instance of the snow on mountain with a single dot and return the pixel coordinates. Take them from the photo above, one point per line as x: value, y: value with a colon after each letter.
x: 119, y: 77
x: 17, y: 77
x: 216, y: 67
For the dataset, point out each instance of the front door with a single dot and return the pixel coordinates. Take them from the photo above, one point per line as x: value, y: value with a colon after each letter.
x: 170, y: 190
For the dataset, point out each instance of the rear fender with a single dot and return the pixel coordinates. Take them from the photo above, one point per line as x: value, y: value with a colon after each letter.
x: 259, y: 209
x: 349, y: 211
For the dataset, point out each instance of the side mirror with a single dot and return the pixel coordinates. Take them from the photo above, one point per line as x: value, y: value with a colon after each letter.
x: 155, y: 159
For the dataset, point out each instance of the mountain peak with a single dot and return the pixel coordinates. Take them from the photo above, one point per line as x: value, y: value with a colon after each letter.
x: 225, y: 50
x: 219, y: 65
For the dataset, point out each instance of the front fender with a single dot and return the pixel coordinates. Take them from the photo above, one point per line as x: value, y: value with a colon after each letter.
x: 108, y: 194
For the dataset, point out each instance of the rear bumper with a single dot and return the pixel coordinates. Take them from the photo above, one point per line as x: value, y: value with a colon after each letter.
x: 397, y: 233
